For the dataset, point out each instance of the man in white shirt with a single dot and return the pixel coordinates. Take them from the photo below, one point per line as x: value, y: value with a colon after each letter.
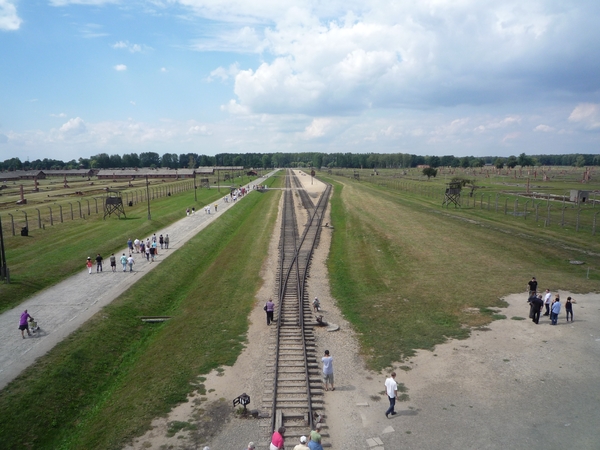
x: 547, y: 301
x: 391, y: 389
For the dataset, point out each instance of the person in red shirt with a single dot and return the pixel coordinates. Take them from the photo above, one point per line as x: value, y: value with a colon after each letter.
x: 277, y: 439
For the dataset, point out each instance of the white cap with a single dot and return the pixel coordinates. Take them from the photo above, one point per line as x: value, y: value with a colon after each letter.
x: 303, y: 439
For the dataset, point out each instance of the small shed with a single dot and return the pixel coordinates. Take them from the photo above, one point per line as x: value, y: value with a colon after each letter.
x: 578, y: 196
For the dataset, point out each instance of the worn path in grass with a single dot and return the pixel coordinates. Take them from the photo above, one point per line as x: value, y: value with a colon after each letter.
x: 63, y: 308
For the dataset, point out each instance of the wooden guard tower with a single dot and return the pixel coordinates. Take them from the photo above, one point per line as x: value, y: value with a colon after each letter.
x: 113, y: 203
x: 452, y: 194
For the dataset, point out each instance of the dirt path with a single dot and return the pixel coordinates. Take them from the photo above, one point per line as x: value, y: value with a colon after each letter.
x: 516, y: 385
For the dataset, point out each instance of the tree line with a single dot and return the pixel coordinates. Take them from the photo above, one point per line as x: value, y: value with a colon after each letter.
x: 306, y: 159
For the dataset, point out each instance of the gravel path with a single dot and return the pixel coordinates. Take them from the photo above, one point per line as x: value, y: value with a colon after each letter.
x: 64, y: 307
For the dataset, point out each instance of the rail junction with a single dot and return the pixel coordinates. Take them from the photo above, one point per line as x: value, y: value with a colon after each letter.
x: 294, y: 391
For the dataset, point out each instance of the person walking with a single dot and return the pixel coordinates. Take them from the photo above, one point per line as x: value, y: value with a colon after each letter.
x: 555, y: 310
x: 327, y: 361
x: 277, y: 439
x: 569, y: 308
x: 161, y: 241
x: 316, y: 305
x: 152, y: 250
x: 130, y: 245
x: 269, y: 308
x: 89, y: 265
x: 391, y: 389
x: 24, y: 324
x: 113, y: 262
x: 216, y: 206
x: 547, y: 301
x: 167, y: 241
x: 147, y: 252
x: 136, y: 244
x: 130, y: 262
x: 99, y: 263
x: 124, y: 262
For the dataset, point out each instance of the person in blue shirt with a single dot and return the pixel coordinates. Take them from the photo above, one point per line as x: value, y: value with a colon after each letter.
x: 555, y: 310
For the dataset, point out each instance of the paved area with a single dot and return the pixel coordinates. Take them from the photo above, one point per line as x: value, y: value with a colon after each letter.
x: 61, y: 309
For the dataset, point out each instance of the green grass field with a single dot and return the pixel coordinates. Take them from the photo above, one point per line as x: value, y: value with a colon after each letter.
x: 107, y: 381
x: 405, y: 272
x: 49, y: 255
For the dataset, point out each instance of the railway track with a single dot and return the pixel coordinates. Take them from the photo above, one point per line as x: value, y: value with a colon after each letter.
x: 295, y: 391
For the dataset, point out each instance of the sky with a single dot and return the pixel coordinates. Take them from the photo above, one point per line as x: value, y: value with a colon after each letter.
x: 427, y: 77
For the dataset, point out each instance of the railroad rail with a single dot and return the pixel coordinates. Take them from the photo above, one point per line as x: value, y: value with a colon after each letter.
x: 296, y: 392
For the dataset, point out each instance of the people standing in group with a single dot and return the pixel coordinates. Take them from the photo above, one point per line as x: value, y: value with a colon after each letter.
x: 167, y: 241
x: 277, y: 441
x: 136, y: 244
x: 99, y: 263
x: 315, y: 444
x: 161, y: 241
x: 130, y: 262
x: 124, y: 262
x: 530, y: 300
x: 532, y: 286
x: 89, y: 265
x: 130, y: 245
x: 555, y: 310
x: 302, y: 444
x: 547, y: 301
x: 113, y: 262
x: 24, y: 324
x: 536, y: 307
x: 327, y: 361
x: 391, y: 389
x: 569, y: 308
x: 270, y: 309
x: 315, y: 435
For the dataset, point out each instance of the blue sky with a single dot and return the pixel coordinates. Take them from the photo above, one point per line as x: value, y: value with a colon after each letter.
x: 430, y: 77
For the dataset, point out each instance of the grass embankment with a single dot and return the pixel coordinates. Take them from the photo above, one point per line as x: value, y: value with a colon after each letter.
x: 48, y: 256
x: 406, y: 274
x: 107, y: 381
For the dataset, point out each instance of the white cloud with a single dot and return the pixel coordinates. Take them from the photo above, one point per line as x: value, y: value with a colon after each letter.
x: 588, y: 114
x: 9, y: 20
x: 132, y: 48
x: 544, y: 128
x: 317, y: 128
x: 58, y: 115
x: 132, y: 102
x: 73, y: 127
x: 235, y: 108
x: 199, y: 129
x: 225, y: 74
x: 163, y: 69
x: 120, y: 67
x: 240, y: 40
x: 92, y: 31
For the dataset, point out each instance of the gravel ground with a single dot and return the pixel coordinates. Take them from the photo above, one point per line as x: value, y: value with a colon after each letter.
x: 516, y: 385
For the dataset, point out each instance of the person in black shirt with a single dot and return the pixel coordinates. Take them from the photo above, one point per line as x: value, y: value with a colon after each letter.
x: 532, y: 286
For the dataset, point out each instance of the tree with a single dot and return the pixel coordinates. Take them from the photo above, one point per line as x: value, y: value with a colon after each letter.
x: 511, y: 162
x: 498, y: 163
x: 429, y: 172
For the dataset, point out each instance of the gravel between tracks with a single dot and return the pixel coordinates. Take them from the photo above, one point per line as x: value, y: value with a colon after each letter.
x: 514, y: 385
